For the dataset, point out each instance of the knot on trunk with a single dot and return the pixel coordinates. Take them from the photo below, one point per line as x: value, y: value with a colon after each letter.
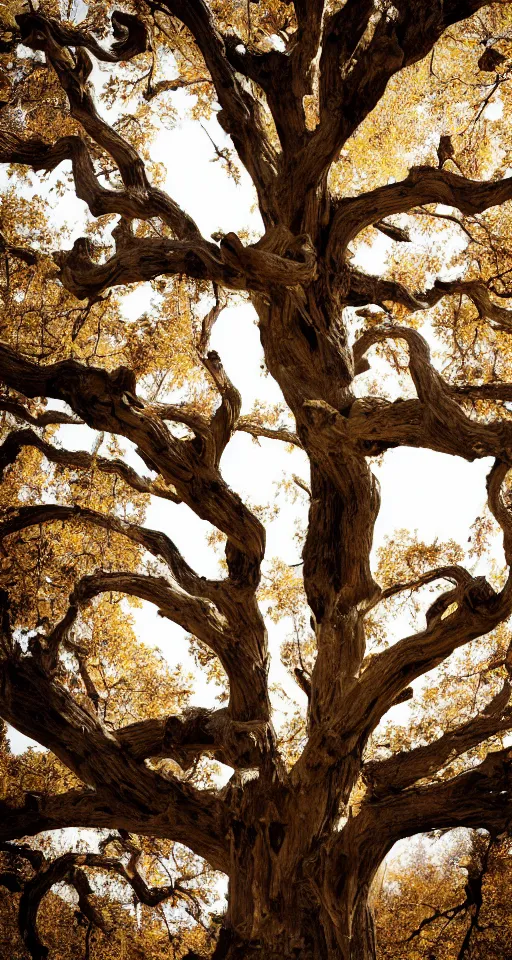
x: 278, y: 258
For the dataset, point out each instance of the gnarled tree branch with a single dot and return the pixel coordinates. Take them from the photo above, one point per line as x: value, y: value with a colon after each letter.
x: 405, y: 768
x: 80, y: 460
x: 125, y: 792
x: 423, y: 185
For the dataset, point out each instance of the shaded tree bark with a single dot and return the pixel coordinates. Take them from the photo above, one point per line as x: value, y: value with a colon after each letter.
x: 300, y: 866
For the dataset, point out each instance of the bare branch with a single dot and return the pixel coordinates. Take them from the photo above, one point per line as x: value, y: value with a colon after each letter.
x: 247, y: 424
x: 225, y: 419
x: 423, y: 185
x: 241, y: 115
x: 183, y: 413
x: 126, y: 793
x: 458, y: 575
x: 198, y: 731
x: 393, y: 232
x: 499, y: 391
x: 68, y: 868
x: 61, y: 869
x: 479, y: 798
x: 364, y: 288
x: 405, y: 768
x: 80, y: 460
x: 477, y: 292
x: 45, y: 419
x: 436, y: 422
x: 20, y: 253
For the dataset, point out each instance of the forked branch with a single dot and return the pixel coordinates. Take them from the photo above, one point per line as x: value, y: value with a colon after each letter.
x: 405, y: 768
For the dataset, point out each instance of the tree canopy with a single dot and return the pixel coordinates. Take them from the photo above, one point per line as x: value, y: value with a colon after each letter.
x: 367, y: 132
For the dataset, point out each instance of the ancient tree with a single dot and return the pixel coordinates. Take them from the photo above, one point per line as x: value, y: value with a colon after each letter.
x: 302, y: 89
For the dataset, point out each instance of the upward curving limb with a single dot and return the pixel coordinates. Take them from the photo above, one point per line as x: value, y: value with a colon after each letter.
x: 479, y: 609
x: 430, y: 386
x: 62, y: 869
x: 479, y: 798
x: 362, y: 48
x: 194, y: 614
x: 241, y: 115
x: 224, y: 615
x: 40, y: 33
x: 499, y: 506
x: 206, y: 609
x: 79, y: 460
x: 155, y: 542
x: 140, y: 201
x: 405, y: 768
x: 224, y: 421
x: 241, y: 656
x: 107, y: 401
x: 434, y: 421
x: 423, y: 185
x: 124, y: 792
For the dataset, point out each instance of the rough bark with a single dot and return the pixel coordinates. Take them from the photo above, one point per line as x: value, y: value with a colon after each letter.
x: 299, y: 876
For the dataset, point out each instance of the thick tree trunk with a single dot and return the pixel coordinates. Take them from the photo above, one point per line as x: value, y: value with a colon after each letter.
x: 283, y: 904
x: 303, y: 935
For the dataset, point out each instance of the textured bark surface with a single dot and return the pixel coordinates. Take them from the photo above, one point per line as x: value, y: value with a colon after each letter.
x: 299, y: 876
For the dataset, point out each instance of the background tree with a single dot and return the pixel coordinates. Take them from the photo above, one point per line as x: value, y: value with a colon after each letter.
x: 349, y: 118
x: 453, y: 905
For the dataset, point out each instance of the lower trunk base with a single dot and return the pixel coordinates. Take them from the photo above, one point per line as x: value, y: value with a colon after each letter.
x: 230, y: 947
x: 315, y: 947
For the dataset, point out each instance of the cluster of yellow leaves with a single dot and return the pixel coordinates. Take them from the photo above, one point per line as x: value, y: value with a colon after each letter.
x: 34, y: 771
x: 432, y: 880
x: 282, y: 590
x: 41, y: 319
x: 131, y: 676
x: 403, y: 557
x: 206, y: 660
x: 132, y: 936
